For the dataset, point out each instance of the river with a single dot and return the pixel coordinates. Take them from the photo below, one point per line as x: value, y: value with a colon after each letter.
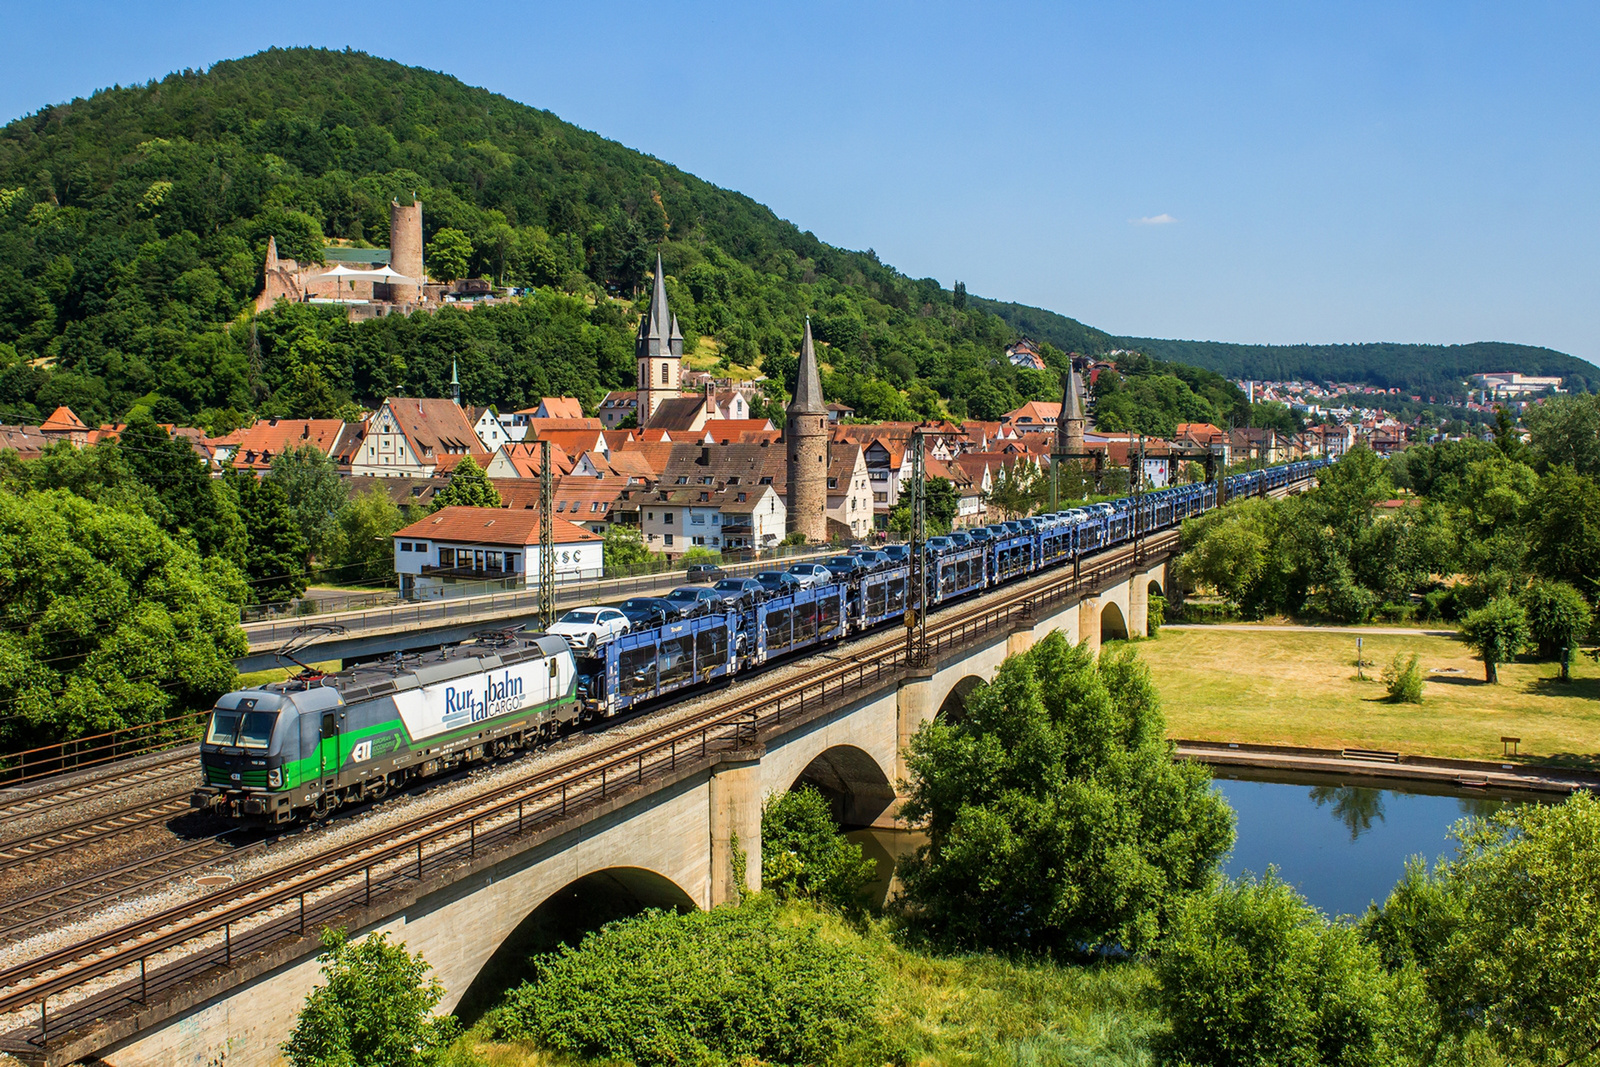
x: 1342, y: 842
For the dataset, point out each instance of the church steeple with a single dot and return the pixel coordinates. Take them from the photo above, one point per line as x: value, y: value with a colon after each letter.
x: 658, y: 350
x: 455, y: 383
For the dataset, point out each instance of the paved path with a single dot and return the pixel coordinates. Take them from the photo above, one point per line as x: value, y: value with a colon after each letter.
x: 1466, y: 774
x: 1400, y: 631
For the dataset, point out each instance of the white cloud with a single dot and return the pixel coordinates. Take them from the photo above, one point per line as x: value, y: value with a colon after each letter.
x: 1154, y: 220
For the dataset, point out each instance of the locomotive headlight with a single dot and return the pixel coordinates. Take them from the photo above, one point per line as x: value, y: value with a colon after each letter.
x: 275, y: 777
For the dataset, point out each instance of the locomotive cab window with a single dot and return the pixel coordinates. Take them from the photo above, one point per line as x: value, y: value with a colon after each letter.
x: 553, y: 668
x: 242, y: 729
x: 328, y: 725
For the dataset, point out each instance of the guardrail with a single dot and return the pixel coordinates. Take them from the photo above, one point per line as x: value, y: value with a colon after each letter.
x: 127, y: 742
x: 262, y: 635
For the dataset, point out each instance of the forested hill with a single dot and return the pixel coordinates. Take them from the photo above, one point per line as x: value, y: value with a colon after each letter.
x: 133, y: 225
x: 1436, y: 370
x: 1433, y: 369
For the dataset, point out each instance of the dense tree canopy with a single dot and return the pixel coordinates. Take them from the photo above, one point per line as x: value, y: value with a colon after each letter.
x: 1057, y: 820
x: 108, y: 620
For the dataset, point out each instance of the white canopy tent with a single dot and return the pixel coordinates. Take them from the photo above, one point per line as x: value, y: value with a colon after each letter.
x: 341, y: 273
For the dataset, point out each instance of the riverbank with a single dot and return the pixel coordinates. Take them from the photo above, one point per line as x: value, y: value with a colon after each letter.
x: 1300, y: 687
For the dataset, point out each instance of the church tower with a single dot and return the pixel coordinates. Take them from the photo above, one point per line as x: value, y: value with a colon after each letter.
x: 805, y: 432
x: 658, y: 351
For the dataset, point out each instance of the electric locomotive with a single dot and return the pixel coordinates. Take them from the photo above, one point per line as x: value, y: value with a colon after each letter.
x: 302, y: 748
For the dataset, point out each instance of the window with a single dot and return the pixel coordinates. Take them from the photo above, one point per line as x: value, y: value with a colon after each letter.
x: 697, y: 518
x: 667, y: 517
x: 663, y: 374
x: 683, y: 479
x: 741, y: 498
x: 705, y: 479
x: 716, y: 518
x: 447, y: 557
x: 667, y: 538
x: 766, y: 479
x: 511, y: 562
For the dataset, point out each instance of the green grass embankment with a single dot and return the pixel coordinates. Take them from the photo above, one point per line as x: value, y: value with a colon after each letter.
x: 1301, y: 687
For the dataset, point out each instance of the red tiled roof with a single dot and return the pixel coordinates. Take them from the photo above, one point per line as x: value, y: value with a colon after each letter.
x: 562, y: 407
x: 63, y: 420
x: 257, y: 444
x: 491, y: 526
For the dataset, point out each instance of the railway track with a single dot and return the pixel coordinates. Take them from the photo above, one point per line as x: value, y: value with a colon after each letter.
x: 93, y: 830
x: 592, y: 771
x: 28, y: 914
x: 103, y: 973
x: 116, y: 778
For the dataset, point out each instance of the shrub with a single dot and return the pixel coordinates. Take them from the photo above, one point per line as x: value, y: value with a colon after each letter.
x: 1156, y: 615
x: 1558, y: 618
x: 374, y: 1010
x: 804, y: 855
x: 701, y: 554
x: 1403, y: 679
x: 1504, y: 934
x: 1252, y: 974
x: 731, y: 985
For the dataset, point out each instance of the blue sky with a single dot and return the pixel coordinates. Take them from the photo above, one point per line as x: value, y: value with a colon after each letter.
x: 1268, y: 172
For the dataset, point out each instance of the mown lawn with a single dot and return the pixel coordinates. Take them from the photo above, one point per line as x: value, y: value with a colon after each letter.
x: 1301, y: 688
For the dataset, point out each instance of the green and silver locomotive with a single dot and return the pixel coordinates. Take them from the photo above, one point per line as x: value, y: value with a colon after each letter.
x: 303, y: 747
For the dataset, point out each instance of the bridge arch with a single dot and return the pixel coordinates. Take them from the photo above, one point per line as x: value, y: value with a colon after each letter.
x: 1154, y: 588
x: 578, y: 908
x: 1113, y: 624
x: 954, y: 707
x: 857, y: 788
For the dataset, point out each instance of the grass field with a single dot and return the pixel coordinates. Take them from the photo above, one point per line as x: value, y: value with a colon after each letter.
x: 1301, y: 688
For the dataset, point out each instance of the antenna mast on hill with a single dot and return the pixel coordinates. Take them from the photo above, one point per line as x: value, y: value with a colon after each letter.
x: 547, y: 539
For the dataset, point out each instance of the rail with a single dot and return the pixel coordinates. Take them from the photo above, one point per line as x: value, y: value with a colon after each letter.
x: 128, y: 976
x: 330, y: 893
x: 126, y: 742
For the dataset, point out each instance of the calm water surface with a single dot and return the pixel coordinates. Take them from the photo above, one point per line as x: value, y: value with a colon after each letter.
x: 1342, y: 843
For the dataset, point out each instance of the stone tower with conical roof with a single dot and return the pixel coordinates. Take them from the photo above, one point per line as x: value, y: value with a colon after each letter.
x: 805, y: 433
x: 1070, y: 423
x: 658, y: 351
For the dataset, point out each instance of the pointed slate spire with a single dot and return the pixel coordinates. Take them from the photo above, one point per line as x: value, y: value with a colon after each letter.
x: 808, y: 384
x: 661, y: 320
x: 455, y: 383
x: 1072, y: 399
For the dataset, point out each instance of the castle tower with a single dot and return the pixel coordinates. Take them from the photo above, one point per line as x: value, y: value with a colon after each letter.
x: 658, y: 351
x: 272, y: 255
x: 805, y: 431
x: 405, y: 250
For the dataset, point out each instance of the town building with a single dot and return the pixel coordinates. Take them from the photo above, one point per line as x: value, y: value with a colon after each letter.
x: 417, y: 437
x: 459, y: 551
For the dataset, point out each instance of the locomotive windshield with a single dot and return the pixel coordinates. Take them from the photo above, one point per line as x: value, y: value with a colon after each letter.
x: 243, y: 729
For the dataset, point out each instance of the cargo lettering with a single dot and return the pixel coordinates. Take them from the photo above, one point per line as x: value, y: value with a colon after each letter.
x: 498, y: 696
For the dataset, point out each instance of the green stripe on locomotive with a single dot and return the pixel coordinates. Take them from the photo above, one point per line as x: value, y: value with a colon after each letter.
x: 334, y: 753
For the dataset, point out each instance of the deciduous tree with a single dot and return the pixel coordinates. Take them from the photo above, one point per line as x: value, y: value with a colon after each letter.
x: 1497, y: 632
x: 316, y: 495
x: 1057, y: 820
x: 469, y: 487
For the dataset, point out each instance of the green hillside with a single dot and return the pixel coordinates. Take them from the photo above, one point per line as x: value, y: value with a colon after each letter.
x: 133, y: 225
x: 1436, y: 370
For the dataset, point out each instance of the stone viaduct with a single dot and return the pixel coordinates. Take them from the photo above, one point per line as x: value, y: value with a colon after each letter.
x: 675, y: 841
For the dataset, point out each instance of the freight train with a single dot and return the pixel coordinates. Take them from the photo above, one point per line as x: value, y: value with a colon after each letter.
x: 302, y: 748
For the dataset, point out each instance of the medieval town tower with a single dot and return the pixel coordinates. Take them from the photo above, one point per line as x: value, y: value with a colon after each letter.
x: 658, y: 351
x: 405, y: 250
x: 805, y: 431
x: 1070, y: 423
